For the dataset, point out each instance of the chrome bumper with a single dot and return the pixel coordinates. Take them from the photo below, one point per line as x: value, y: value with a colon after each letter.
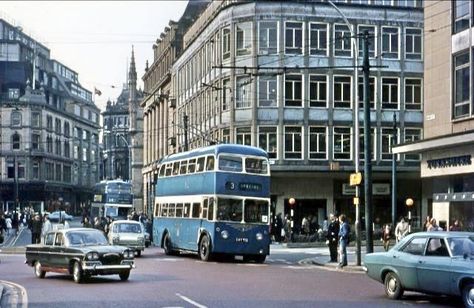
x: 98, y: 267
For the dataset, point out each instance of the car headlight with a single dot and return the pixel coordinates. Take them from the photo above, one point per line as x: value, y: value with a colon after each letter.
x: 225, y: 234
x: 140, y: 238
x: 128, y: 254
x: 259, y: 236
x: 92, y: 256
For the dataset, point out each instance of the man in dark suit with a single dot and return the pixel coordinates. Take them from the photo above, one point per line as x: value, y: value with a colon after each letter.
x: 332, y: 237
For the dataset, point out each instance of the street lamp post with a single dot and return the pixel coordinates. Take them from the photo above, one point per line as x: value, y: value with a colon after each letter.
x: 409, y: 203
x: 292, y: 202
x: 355, y: 55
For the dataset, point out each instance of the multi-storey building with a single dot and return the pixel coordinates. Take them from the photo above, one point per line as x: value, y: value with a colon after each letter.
x: 447, y: 169
x: 49, y: 129
x: 279, y: 75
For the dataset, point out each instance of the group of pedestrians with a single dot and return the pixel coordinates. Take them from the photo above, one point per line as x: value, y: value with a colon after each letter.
x: 338, y: 236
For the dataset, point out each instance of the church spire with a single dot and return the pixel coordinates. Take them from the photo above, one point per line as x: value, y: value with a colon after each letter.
x: 132, y: 78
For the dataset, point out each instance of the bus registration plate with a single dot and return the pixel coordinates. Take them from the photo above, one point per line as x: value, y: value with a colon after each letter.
x: 242, y: 240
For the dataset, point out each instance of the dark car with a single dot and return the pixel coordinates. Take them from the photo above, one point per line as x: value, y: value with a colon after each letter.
x: 80, y: 252
x: 428, y: 262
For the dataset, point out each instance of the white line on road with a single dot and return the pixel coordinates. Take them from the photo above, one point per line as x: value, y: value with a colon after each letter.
x: 190, y: 301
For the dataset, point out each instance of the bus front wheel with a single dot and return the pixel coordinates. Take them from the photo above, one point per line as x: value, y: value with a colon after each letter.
x: 204, y: 248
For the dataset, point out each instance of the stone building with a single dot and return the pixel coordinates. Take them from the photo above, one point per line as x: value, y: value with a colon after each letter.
x: 49, y: 129
x: 279, y: 75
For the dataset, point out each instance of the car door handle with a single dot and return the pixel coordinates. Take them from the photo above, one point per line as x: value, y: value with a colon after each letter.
x: 421, y: 262
x: 394, y: 256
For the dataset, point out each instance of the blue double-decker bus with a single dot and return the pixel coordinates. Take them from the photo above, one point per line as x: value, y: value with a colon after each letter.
x: 214, y: 201
x: 112, y: 198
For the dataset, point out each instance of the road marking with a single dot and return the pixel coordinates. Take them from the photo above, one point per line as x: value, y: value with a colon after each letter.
x: 190, y: 301
x: 23, y: 296
x: 168, y: 260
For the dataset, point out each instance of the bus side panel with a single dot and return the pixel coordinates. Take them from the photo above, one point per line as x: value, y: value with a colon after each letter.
x: 242, y: 184
x: 195, y: 184
x: 242, y: 239
x: 188, y: 231
x: 160, y: 225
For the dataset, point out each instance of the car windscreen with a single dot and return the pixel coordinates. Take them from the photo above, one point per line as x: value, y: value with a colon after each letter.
x: 86, y: 238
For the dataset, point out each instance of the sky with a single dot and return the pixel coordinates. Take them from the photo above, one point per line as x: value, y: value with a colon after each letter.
x: 95, y: 38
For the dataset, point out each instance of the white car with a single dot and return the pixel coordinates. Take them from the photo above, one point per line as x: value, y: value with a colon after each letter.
x: 128, y: 233
x: 57, y: 215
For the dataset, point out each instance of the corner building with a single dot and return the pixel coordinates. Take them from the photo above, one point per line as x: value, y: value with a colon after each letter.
x: 447, y: 167
x: 279, y: 75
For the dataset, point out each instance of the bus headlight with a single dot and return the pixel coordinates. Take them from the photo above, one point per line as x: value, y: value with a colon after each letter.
x: 116, y: 239
x: 259, y: 236
x: 225, y: 234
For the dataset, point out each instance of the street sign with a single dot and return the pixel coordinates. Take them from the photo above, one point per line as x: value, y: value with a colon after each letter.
x: 355, y: 179
x: 356, y: 200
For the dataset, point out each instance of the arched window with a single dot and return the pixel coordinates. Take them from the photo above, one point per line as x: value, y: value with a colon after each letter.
x: 16, y: 118
x: 16, y: 140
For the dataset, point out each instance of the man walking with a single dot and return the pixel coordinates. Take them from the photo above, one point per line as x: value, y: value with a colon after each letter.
x: 332, y: 237
x: 344, y: 234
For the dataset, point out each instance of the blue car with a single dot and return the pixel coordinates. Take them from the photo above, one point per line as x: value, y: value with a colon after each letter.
x: 427, y: 262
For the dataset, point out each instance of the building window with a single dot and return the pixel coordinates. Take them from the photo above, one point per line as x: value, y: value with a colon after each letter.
x: 413, y: 94
x: 293, y: 90
x: 243, y: 92
x: 342, y: 92
x: 76, y: 152
x: 35, y: 170
x: 35, y: 141
x: 342, y: 143
x: 49, y: 123
x: 412, y: 135
x: 84, y: 154
x: 58, y: 146
x: 461, y: 15
x: 293, y: 142
x: 67, y: 130
x: 390, y: 42
x: 362, y: 143
x: 226, y: 43
x: 13, y: 93
x: 267, y: 140
x: 35, y: 119
x: 49, y: 144
x: 268, y: 37
x: 16, y: 118
x: 318, y: 91
x: 49, y: 168
x: 294, y: 37
x: 16, y: 141
x: 226, y: 94
x: 318, y: 39
x: 372, y: 41
x: 67, y: 149
x: 67, y: 174
x: 342, y: 41
x: 226, y: 135
x: 387, y: 142
x: 317, y: 142
x: 371, y: 89
x: 413, y: 41
x: 267, y: 91
x: 243, y: 136
x: 58, y: 126
x: 461, y: 85
x: 58, y: 173
x: 389, y: 93
x: 243, y: 38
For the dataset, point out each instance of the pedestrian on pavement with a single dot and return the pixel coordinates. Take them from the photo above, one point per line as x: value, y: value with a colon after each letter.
x: 86, y: 223
x: 386, y: 235
x: 427, y: 223
x: 47, y: 226
x: 15, y: 222
x: 332, y: 237
x: 3, y: 225
x: 8, y: 223
x: 278, y: 225
x: 344, y: 238
x: 456, y: 226
x: 433, y: 226
x: 286, y: 228
x: 97, y: 224
x: 36, y: 226
x: 401, y: 230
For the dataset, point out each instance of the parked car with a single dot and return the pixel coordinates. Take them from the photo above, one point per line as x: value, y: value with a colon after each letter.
x: 57, y: 215
x: 428, y: 262
x: 80, y: 252
x: 128, y: 233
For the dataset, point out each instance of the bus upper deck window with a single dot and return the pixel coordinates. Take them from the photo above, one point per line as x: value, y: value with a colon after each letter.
x: 230, y: 163
x: 200, y: 164
x: 210, y: 163
x: 192, y: 165
x: 255, y: 165
x: 175, y: 168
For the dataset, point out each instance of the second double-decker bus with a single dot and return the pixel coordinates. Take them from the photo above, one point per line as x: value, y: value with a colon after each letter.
x: 214, y: 201
x: 112, y: 198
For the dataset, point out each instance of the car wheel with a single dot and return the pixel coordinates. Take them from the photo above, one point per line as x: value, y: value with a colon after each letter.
x: 393, y: 287
x: 124, y: 275
x: 38, y: 270
x: 468, y: 295
x: 204, y: 248
x: 167, y: 245
x: 77, y: 272
x: 259, y: 258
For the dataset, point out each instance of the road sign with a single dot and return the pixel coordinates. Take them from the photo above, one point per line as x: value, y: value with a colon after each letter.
x: 355, y: 179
